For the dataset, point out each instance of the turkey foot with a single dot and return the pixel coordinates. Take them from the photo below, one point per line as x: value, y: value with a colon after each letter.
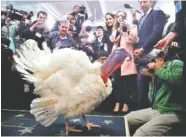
x: 90, y: 125
x: 69, y: 128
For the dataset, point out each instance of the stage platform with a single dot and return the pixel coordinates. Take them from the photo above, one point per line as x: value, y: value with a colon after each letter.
x: 22, y: 123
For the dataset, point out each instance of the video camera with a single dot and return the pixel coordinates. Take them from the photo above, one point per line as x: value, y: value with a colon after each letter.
x: 82, y: 9
x: 17, y: 14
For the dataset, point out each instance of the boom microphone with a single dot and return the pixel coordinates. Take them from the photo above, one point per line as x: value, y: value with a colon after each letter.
x: 127, y: 6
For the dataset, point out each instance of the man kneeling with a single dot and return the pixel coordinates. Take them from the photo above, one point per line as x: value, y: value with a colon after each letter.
x: 167, y: 94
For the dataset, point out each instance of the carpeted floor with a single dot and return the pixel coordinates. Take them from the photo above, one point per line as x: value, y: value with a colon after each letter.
x: 22, y: 123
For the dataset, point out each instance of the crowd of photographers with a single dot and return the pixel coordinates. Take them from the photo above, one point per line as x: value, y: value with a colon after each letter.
x: 152, y: 74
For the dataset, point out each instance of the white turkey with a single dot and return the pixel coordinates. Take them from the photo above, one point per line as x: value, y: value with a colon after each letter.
x: 66, y: 81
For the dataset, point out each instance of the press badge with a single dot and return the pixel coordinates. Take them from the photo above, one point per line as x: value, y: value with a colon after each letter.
x: 38, y: 35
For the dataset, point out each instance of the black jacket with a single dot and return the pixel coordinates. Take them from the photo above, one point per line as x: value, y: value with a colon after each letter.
x: 36, y: 34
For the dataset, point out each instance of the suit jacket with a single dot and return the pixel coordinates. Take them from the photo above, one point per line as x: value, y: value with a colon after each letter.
x: 28, y: 34
x: 151, y: 30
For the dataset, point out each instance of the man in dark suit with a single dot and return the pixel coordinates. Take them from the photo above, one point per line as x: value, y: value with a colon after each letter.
x: 150, y: 28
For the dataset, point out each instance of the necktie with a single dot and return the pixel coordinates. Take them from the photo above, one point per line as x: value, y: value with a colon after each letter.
x: 141, y: 21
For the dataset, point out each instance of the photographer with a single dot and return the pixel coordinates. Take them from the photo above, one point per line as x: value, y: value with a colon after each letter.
x: 85, y: 46
x: 38, y: 30
x: 150, y: 28
x: 167, y: 98
x: 83, y: 14
x: 79, y: 12
x: 24, y: 23
x: 99, y: 42
x: 125, y: 77
x: 9, y: 31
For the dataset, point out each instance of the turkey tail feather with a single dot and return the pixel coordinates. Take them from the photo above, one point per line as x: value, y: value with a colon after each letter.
x: 28, y: 61
x: 43, y: 110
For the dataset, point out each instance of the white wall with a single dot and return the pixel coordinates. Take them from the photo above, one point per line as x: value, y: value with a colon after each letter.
x: 168, y: 7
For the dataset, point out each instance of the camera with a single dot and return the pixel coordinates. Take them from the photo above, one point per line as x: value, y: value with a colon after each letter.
x: 15, y: 14
x: 144, y: 60
x: 82, y: 9
x: 30, y: 15
x: 124, y: 28
x: 148, y: 58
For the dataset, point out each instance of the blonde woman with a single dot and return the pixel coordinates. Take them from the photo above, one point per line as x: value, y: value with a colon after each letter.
x: 125, y: 77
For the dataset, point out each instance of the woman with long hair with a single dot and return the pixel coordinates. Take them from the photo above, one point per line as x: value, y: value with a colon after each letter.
x: 125, y: 78
x: 109, y: 28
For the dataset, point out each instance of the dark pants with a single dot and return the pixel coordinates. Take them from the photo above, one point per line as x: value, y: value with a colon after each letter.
x: 143, y: 88
x: 125, y: 89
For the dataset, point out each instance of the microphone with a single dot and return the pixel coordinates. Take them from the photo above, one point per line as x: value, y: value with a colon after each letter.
x: 127, y: 6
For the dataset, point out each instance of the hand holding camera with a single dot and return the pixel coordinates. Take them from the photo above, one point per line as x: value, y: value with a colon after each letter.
x: 38, y: 24
x: 124, y: 26
x: 145, y: 71
x: 152, y: 66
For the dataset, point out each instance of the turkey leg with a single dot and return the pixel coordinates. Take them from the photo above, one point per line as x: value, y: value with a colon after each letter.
x: 88, y: 124
x: 70, y: 128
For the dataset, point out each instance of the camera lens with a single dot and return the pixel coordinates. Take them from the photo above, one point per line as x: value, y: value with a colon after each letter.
x: 124, y: 29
